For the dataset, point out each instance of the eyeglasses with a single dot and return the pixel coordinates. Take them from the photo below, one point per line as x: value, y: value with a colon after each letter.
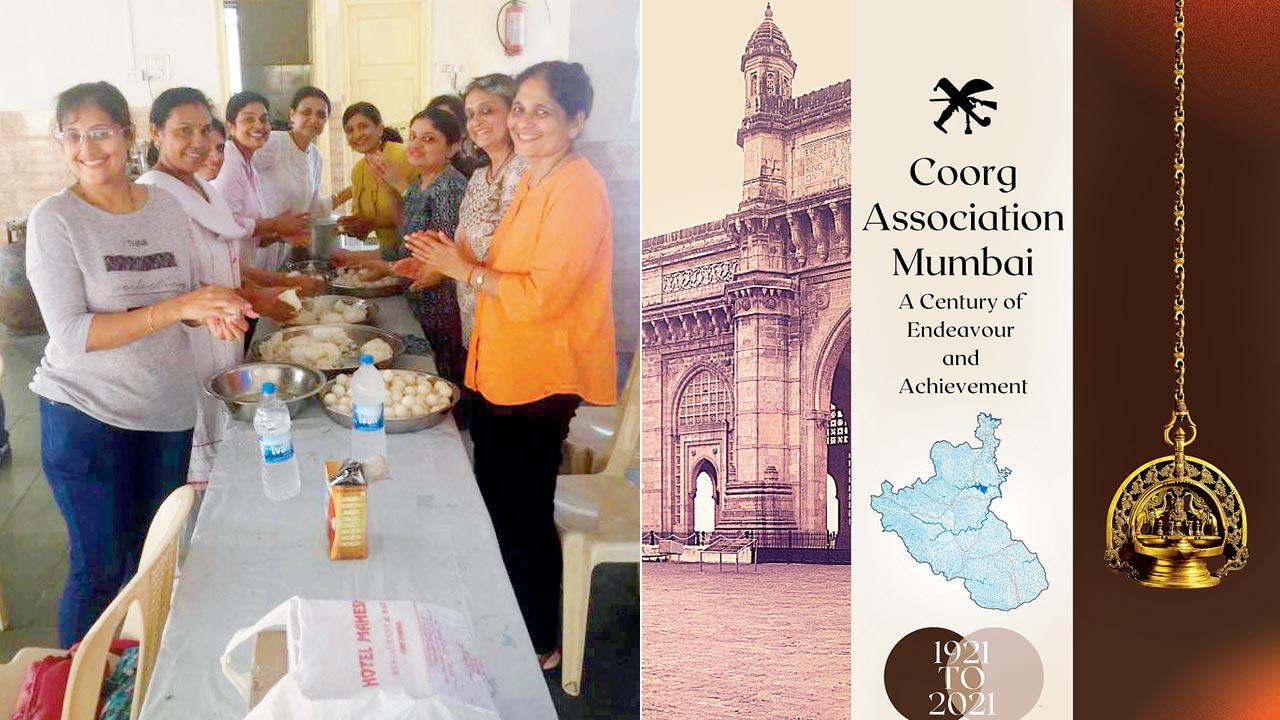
x: 99, y: 134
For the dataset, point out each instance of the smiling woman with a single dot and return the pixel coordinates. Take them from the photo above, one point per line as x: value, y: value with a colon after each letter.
x: 289, y: 165
x: 240, y: 185
x: 543, y: 340
x: 112, y: 269
x: 375, y: 205
x: 182, y: 128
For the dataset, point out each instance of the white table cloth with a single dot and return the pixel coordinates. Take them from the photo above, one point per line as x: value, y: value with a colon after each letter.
x: 430, y: 539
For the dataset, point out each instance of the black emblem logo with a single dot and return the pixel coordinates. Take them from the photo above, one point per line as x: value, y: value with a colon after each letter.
x: 963, y: 100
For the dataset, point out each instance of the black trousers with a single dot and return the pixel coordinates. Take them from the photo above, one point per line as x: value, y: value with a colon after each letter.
x: 517, y: 458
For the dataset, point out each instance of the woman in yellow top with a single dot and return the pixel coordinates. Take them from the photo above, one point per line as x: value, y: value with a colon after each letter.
x: 375, y: 205
x: 543, y: 338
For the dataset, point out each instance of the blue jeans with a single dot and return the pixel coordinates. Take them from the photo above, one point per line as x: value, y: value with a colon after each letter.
x: 108, y: 483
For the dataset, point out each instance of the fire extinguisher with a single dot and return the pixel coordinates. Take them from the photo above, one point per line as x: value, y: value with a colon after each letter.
x: 511, y: 27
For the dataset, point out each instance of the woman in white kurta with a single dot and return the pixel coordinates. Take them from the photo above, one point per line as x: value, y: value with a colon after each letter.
x: 289, y: 167
x: 180, y: 126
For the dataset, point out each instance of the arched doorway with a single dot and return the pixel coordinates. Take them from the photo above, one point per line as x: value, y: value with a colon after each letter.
x: 700, y: 448
x: 838, y: 459
x: 833, y: 506
x: 706, y: 499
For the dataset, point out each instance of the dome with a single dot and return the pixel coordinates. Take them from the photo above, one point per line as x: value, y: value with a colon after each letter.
x: 767, y: 39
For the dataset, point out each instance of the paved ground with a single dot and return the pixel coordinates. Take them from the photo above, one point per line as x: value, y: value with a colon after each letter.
x: 772, y: 642
x: 33, y: 563
x: 33, y: 539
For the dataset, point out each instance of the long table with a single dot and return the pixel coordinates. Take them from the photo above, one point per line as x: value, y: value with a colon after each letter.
x: 430, y: 539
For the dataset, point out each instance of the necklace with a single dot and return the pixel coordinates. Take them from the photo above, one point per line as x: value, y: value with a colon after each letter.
x: 1174, y: 513
x: 535, y: 183
x: 492, y: 173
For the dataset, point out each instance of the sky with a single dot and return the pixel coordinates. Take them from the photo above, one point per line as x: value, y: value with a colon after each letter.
x: 693, y: 95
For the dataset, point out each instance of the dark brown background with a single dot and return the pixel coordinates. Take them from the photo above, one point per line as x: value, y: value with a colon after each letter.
x: 1142, y: 653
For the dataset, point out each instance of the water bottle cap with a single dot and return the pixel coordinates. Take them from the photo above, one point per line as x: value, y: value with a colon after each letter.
x: 268, y: 388
x: 366, y: 359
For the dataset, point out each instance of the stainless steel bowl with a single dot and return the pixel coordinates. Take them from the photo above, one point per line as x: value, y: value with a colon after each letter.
x: 370, y: 308
x: 361, y: 334
x: 312, y: 267
x: 396, y: 426
x: 240, y: 387
x: 371, y: 292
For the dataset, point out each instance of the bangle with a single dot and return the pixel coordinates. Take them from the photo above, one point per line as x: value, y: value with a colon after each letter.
x: 150, y: 317
x: 476, y: 279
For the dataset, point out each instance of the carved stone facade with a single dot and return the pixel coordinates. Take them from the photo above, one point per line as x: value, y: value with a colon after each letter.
x: 745, y: 323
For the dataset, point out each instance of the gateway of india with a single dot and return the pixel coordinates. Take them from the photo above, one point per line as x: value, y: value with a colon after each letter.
x: 746, y: 325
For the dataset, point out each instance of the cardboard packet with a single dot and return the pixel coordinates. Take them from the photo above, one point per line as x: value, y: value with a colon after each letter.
x: 346, y: 510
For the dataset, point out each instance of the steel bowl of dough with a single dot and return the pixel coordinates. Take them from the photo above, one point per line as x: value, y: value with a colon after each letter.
x: 346, y: 281
x: 335, y: 309
x: 331, y: 348
x: 405, y: 411
x: 240, y: 387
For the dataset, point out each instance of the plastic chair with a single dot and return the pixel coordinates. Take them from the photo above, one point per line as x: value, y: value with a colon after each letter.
x: 139, y: 612
x: 593, y: 430
x: 598, y: 517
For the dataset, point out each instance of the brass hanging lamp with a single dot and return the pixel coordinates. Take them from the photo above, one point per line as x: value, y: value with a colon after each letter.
x: 1175, y: 514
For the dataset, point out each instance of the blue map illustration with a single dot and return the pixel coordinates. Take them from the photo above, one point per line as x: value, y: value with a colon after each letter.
x: 946, y: 523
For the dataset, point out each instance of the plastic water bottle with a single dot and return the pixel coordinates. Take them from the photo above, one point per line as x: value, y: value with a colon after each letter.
x: 368, y: 431
x: 280, y: 479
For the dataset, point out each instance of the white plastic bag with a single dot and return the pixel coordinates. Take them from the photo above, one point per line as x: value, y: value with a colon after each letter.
x: 396, y: 660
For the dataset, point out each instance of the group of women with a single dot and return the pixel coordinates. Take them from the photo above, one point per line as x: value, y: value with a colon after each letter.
x: 149, y: 287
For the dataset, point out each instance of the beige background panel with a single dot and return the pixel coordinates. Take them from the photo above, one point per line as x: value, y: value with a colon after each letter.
x: 900, y: 52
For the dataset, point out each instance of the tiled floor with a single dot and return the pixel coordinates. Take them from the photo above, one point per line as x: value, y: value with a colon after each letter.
x: 33, y: 563
x: 33, y: 539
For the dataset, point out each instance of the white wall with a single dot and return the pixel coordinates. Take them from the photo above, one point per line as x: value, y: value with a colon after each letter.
x: 605, y: 38
x: 463, y: 33
x: 50, y: 45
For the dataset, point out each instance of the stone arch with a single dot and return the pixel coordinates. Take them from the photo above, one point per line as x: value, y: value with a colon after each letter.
x: 708, y: 466
x: 830, y: 391
x: 690, y: 376
x: 836, y: 344
x: 692, y: 444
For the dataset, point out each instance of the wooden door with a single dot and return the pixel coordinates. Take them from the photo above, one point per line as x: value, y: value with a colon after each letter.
x: 385, y: 55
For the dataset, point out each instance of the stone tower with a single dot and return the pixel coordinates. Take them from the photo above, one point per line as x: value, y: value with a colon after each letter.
x: 761, y: 298
x: 767, y: 71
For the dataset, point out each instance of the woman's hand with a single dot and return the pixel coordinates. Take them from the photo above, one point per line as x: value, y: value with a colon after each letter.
x: 291, y: 224
x: 355, y: 225
x: 369, y: 269
x: 227, y: 329
x: 387, y: 172
x: 307, y: 285
x: 212, y: 302
x: 267, y: 302
x: 406, y: 267
x: 439, y: 252
x: 425, y: 278
x: 300, y: 240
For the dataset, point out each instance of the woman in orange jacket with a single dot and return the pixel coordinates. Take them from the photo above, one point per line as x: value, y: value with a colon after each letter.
x: 543, y: 340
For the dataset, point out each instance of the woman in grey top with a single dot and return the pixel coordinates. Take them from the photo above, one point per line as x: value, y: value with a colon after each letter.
x: 111, y: 265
